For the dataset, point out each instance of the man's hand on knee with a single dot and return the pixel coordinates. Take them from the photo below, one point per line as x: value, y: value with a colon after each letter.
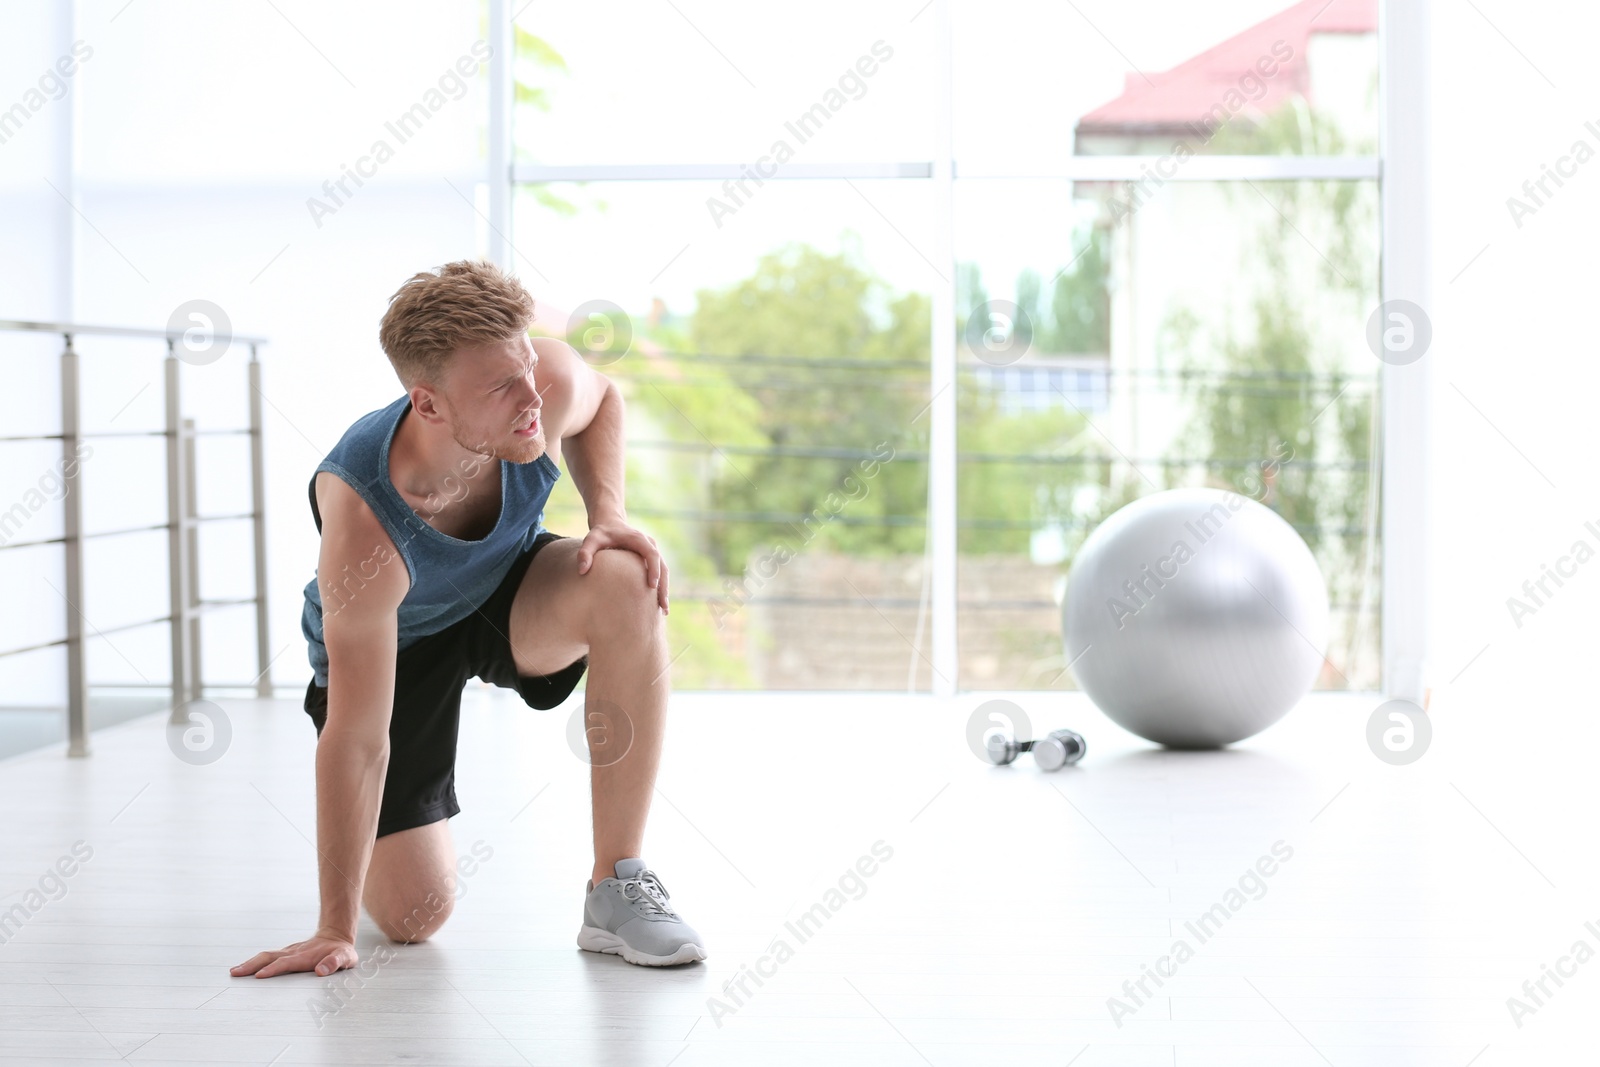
x: 604, y: 535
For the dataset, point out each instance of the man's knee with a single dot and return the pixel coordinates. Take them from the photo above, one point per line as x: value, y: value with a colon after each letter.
x: 420, y: 923
x: 621, y: 590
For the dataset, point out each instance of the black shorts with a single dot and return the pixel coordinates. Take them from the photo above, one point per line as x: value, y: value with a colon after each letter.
x: 419, y: 785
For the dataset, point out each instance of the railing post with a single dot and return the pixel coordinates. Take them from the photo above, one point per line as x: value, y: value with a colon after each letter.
x: 177, y: 542
x: 191, y: 510
x: 258, y: 506
x: 72, y: 529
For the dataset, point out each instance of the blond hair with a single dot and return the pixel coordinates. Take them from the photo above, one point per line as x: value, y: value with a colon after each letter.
x: 467, y: 302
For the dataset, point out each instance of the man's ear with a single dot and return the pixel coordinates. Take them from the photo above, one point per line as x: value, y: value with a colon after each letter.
x: 424, y: 402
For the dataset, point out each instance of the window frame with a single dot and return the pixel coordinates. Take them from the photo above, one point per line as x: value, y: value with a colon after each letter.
x: 1400, y: 171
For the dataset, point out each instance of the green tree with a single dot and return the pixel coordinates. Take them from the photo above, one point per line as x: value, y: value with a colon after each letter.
x: 1280, y: 387
x: 970, y: 293
x: 793, y: 323
x: 1003, y: 501
x: 1080, y: 306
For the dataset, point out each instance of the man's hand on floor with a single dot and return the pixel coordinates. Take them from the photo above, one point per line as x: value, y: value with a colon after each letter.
x: 323, y: 952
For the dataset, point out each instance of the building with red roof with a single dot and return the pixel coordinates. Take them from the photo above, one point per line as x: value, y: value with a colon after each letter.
x: 1254, y: 72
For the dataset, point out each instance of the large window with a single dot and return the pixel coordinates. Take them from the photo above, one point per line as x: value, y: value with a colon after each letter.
x: 1146, y: 261
x: 1213, y: 337
x: 774, y: 377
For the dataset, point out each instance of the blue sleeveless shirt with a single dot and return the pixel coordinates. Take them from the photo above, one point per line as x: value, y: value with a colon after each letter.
x: 450, y: 577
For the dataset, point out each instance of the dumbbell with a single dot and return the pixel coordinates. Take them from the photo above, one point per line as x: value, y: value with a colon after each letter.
x: 1051, y: 753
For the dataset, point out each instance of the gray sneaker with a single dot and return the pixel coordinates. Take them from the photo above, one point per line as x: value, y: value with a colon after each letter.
x: 629, y: 916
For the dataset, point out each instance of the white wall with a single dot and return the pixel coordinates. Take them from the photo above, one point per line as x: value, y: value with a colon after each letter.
x: 204, y: 129
x: 1514, y: 336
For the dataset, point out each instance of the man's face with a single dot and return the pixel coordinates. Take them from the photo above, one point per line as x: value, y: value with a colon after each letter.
x: 490, y: 396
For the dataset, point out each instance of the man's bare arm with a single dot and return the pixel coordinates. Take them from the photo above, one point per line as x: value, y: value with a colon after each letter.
x: 587, y: 422
x: 362, y: 580
x: 594, y: 443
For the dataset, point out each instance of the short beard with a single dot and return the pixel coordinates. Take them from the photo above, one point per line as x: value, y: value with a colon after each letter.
x: 534, y: 444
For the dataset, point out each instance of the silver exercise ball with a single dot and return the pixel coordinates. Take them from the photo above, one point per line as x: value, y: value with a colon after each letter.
x: 1195, y: 617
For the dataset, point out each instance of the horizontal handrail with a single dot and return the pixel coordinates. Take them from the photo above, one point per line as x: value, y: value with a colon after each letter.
x: 183, y: 523
x: 256, y: 685
x: 195, y: 610
x: 188, y: 523
x: 225, y: 432
x: 113, y: 331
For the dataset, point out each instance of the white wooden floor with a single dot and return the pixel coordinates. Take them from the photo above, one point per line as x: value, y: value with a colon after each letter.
x: 1417, y: 899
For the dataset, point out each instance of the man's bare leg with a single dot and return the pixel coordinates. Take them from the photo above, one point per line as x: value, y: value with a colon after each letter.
x: 610, y: 614
x: 625, y: 710
x: 410, y: 887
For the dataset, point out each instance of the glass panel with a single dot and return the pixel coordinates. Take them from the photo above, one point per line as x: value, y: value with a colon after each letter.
x: 1244, y: 77
x: 1218, y: 334
x: 719, y: 81
x: 775, y: 373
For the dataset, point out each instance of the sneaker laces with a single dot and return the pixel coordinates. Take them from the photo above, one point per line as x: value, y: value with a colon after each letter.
x: 648, y: 891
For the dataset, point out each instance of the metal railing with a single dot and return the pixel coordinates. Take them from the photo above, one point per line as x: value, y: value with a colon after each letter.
x: 182, y: 526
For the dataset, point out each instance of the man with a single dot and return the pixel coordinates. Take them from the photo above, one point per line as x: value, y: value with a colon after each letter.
x: 434, y: 568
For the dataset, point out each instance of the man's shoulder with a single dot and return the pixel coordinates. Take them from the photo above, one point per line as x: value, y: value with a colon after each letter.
x: 356, y: 546
x: 344, y: 507
x: 368, y: 431
x: 559, y: 368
